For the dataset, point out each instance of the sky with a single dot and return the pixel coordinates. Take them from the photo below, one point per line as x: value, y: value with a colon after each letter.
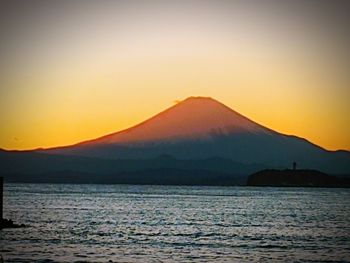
x: 77, y: 70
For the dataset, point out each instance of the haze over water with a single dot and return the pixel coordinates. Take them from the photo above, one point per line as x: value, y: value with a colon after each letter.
x: 130, y: 223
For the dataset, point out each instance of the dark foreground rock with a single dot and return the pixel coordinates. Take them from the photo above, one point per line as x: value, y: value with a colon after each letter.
x: 296, y: 178
x: 8, y: 223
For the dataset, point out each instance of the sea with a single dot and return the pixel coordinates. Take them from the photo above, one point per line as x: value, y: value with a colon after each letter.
x: 147, y: 223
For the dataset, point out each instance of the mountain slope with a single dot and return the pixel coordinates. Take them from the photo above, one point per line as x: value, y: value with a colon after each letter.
x: 193, y: 118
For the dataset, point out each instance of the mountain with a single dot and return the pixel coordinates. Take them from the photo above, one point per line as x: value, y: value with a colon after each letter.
x: 201, y: 128
x: 196, y: 141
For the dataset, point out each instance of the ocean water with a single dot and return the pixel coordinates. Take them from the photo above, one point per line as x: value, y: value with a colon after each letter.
x: 131, y: 223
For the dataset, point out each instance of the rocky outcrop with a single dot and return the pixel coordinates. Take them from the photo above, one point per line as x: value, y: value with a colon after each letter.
x: 8, y: 223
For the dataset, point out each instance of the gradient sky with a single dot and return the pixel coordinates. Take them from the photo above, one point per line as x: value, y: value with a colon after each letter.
x: 76, y: 70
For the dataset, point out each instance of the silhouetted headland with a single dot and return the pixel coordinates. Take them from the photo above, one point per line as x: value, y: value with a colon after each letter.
x: 296, y: 178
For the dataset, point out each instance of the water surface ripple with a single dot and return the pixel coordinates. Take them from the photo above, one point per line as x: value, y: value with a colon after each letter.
x: 130, y: 223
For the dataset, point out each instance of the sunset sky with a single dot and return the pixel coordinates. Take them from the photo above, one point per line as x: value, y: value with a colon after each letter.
x: 76, y: 70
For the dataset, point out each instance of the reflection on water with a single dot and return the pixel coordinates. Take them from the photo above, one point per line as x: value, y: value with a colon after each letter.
x: 129, y: 223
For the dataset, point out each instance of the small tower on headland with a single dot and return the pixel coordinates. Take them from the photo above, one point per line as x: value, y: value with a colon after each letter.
x: 294, y: 166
